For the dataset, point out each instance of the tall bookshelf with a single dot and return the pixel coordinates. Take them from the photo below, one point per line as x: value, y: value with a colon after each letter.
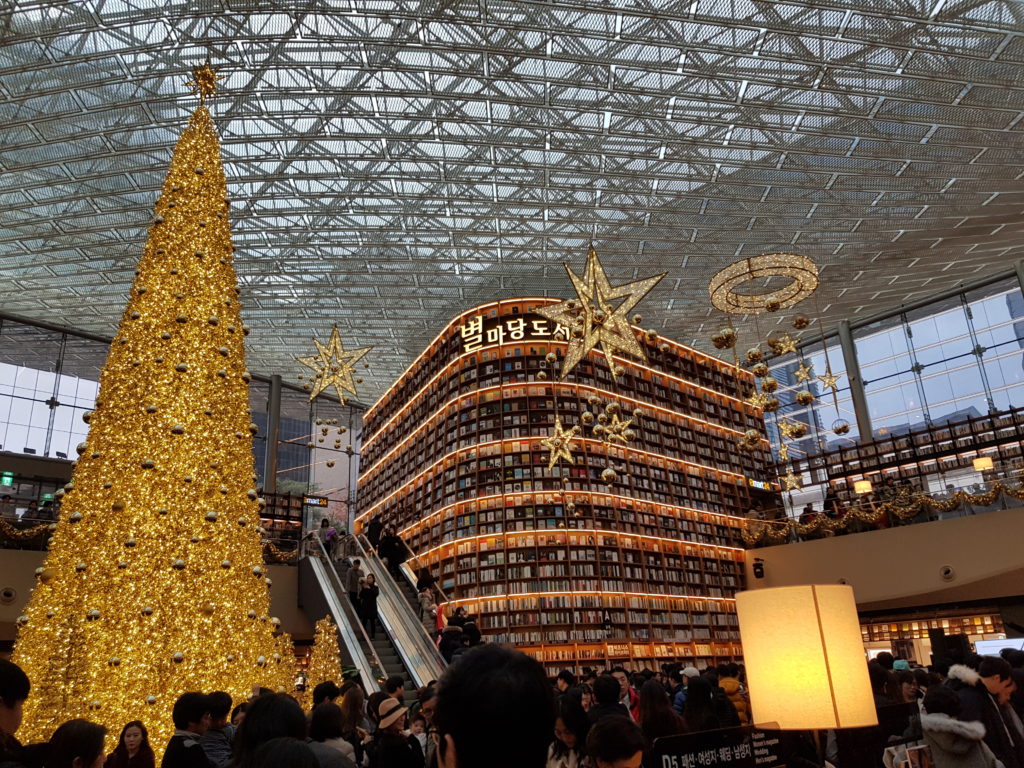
x: 570, y: 569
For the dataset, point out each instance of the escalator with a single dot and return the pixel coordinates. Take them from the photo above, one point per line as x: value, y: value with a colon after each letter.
x: 410, y: 641
x: 400, y: 648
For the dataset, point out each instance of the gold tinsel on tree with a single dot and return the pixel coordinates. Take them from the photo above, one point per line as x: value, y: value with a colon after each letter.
x: 154, y: 584
x: 324, y: 659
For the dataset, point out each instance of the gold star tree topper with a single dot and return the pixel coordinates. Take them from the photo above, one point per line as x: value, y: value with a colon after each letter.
x: 595, y: 319
x: 204, y: 81
x: 334, y: 366
x: 560, y: 444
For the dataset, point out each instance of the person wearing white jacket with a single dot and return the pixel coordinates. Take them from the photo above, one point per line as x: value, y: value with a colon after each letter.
x: 953, y: 743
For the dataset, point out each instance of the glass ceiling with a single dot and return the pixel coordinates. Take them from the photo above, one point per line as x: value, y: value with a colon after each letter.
x: 392, y: 162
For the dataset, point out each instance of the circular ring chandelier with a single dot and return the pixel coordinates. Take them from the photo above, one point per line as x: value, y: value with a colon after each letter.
x: 801, y: 271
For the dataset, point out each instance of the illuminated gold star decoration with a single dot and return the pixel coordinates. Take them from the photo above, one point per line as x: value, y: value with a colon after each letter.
x: 560, y: 444
x: 830, y: 380
x: 594, y: 319
x: 785, y: 345
x: 790, y: 429
x: 790, y: 482
x: 619, y: 430
x: 204, y: 81
x: 333, y: 366
x: 804, y: 372
x: 757, y: 400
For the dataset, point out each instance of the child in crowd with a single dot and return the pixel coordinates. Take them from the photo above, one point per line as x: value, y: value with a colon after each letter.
x: 418, y: 728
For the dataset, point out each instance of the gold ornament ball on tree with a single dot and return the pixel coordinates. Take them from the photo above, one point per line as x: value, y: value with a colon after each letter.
x: 754, y: 355
x: 769, y: 384
x: 760, y: 370
x: 82, y: 617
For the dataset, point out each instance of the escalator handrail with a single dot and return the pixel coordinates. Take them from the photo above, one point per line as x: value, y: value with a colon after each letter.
x: 354, y: 629
x: 421, y: 639
x: 410, y: 575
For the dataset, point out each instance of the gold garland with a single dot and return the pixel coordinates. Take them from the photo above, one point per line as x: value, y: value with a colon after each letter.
x: 276, y: 555
x: 904, y: 507
x: 21, y: 534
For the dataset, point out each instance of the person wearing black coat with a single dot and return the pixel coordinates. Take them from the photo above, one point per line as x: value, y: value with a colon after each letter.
x: 14, y: 688
x: 368, y: 604
x: 373, y: 531
x: 979, y: 691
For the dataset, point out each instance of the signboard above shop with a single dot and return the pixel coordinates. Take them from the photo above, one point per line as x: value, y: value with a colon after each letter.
x: 315, y: 501
x: 483, y: 331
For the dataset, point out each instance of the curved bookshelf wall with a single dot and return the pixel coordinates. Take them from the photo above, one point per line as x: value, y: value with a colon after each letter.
x: 573, y: 570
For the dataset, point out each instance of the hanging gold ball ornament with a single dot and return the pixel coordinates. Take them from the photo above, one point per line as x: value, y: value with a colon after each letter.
x: 638, y: 318
x: 760, y: 370
x: 550, y: 357
x: 754, y: 355
x: 799, y: 270
x: 330, y: 463
x: 600, y: 430
x: 609, y: 475
x: 804, y: 397
x: 771, y: 405
x: 587, y: 418
x: 541, y: 376
x: 841, y: 427
x: 602, y: 418
x: 769, y: 384
x: 800, y: 322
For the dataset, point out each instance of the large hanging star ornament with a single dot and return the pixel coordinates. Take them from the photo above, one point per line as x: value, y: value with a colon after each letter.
x: 204, y: 81
x: 757, y: 399
x: 804, y: 372
x: 595, y: 319
x: 333, y: 366
x: 560, y: 444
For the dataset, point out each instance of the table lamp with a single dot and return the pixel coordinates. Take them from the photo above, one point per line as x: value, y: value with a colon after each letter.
x: 805, y: 661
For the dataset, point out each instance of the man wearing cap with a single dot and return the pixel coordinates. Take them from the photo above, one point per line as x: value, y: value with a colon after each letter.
x: 391, y: 748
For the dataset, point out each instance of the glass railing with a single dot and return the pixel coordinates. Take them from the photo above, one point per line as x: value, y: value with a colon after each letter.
x: 896, y: 508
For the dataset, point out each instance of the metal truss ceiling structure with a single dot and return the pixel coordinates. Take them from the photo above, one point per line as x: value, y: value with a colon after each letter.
x: 394, y: 161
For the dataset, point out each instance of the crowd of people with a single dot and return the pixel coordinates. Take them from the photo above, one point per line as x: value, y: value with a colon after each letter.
x: 496, y: 708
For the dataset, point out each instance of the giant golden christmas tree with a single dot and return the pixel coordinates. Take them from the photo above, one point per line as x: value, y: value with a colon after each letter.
x: 154, y: 583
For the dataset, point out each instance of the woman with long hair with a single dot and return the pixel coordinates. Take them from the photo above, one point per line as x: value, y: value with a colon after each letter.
x: 133, y: 749
x: 657, y: 718
x: 571, y: 728
x: 699, y: 712
x: 354, y: 722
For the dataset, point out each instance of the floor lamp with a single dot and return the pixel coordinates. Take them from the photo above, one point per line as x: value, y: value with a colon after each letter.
x: 805, y: 661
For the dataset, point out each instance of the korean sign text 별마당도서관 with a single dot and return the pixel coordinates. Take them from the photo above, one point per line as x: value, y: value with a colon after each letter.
x: 480, y: 331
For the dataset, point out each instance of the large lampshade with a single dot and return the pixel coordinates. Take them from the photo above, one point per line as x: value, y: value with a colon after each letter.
x: 982, y: 463
x: 862, y: 486
x: 805, y: 661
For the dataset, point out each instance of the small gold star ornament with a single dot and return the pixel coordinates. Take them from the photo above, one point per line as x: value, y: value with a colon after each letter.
x: 595, y: 319
x: 804, y: 372
x: 204, y: 81
x: 830, y: 380
x: 560, y: 444
x: 333, y: 366
x: 790, y: 482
